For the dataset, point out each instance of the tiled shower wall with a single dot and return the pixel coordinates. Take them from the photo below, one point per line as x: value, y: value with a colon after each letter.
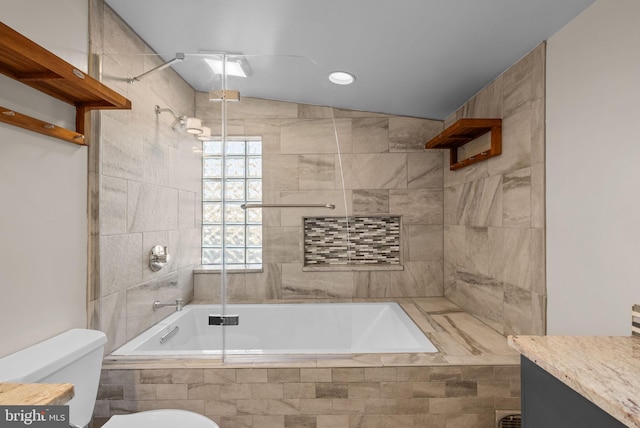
x: 494, y: 210
x: 145, y: 184
x: 386, y: 171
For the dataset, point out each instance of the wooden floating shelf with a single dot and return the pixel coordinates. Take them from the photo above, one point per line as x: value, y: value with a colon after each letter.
x: 462, y: 132
x: 27, y: 62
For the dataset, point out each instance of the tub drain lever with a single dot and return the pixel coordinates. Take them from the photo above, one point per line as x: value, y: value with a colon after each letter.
x: 224, y: 319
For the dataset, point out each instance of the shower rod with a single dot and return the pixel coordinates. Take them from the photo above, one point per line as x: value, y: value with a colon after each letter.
x: 247, y: 206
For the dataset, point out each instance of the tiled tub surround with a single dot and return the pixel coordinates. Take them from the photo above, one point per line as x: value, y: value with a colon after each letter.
x: 494, y: 260
x: 474, y: 374
x: 330, y: 242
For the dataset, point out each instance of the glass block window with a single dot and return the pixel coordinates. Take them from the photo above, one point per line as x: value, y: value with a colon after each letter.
x: 230, y: 178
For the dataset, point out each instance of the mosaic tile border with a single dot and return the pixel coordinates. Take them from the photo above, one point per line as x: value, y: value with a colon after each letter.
x: 357, y: 241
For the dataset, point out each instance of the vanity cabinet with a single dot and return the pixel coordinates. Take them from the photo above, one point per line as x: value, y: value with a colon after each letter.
x: 547, y: 402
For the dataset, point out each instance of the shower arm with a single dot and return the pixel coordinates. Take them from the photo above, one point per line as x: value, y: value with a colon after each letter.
x: 248, y: 206
x: 179, y: 57
x: 177, y: 119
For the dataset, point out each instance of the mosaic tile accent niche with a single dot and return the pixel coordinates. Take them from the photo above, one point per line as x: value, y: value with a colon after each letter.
x: 352, y: 242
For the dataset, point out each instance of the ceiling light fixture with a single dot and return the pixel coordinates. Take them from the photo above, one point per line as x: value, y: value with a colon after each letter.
x: 341, y: 78
x: 191, y: 125
x: 206, y: 134
x: 235, y: 65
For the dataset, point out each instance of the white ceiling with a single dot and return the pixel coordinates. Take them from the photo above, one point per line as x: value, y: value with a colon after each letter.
x: 421, y: 58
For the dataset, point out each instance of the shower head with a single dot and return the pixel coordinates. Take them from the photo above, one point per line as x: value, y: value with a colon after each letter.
x: 191, y: 125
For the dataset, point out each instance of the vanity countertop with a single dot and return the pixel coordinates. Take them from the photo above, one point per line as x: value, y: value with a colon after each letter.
x: 35, y: 394
x: 605, y: 370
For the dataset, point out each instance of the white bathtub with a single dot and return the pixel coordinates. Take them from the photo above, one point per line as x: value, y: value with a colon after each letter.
x: 276, y: 329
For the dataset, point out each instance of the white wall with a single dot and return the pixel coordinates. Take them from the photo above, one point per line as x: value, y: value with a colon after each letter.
x: 593, y: 171
x: 43, y: 190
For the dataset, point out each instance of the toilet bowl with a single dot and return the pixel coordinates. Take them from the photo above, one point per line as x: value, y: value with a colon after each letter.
x: 75, y: 356
x: 165, y: 418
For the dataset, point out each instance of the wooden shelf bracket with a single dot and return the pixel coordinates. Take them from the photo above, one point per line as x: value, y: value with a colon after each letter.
x: 29, y: 63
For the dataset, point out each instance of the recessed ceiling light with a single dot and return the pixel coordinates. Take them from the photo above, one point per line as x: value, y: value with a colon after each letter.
x: 342, y: 78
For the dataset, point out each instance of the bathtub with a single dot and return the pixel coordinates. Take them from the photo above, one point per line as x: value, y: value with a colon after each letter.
x: 283, y: 329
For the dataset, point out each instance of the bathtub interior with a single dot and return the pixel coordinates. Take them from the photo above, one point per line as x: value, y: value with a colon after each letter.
x: 285, y: 329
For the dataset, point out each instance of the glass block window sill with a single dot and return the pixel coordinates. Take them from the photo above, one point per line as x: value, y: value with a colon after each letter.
x: 214, y: 269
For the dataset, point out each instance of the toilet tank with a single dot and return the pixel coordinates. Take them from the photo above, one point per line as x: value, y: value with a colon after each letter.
x: 74, y: 356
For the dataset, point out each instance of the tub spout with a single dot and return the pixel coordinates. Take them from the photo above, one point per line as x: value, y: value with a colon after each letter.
x: 178, y: 304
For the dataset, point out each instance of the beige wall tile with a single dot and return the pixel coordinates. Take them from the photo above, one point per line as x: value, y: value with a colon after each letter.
x: 220, y: 407
x: 315, y: 375
x: 417, y: 206
x: 370, y: 135
x: 428, y: 389
x: 407, y: 134
x: 380, y: 374
x: 315, y: 136
x: 283, y: 375
x: 288, y: 406
x: 364, y: 390
x: 347, y: 375
x: 371, y: 201
x: 516, y: 198
x: 203, y: 391
x: 423, y: 242
x: 299, y: 284
x: 113, y: 209
x: 487, y: 103
x: 317, y: 171
x: 537, y: 196
x: 270, y: 421
x: 373, y: 171
x: 333, y: 421
x: 424, y: 170
x: 516, y: 143
x: 120, y: 262
x: 251, y: 375
x: 280, y: 172
x: 419, y: 278
x: 256, y: 108
x: 299, y: 390
x: 172, y: 392
x: 268, y: 391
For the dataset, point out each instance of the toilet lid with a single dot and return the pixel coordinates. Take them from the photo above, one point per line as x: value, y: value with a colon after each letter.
x: 165, y: 418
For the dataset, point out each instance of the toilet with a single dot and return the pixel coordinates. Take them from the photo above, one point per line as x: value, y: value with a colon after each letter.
x: 75, y: 356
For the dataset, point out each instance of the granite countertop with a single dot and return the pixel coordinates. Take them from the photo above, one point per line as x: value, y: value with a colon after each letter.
x: 605, y: 370
x: 35, y: 394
